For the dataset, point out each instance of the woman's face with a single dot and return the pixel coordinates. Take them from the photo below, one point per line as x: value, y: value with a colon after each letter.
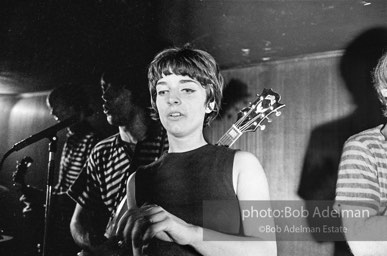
x: 181, y: 104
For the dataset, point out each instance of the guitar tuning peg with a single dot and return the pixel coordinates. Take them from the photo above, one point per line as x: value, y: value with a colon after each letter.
x: 262, y: 127
x: 278, y: 113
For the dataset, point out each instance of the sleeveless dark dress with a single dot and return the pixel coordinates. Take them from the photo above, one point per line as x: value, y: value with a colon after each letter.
x: 181, y: 183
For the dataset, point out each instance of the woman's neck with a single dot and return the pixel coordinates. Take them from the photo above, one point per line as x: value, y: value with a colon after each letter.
x: 186, y: 143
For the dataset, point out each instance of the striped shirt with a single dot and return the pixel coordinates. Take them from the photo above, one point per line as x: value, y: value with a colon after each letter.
x: 77, y: 148
x: 102, y: 183
x: 362, y: 178
x: 75, y: 152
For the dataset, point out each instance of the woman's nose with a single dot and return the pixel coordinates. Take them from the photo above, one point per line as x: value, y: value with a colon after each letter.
x: 173, y: 98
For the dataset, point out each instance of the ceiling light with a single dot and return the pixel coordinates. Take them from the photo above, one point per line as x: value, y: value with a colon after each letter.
x: 365, y: 3
x: 245, y: 52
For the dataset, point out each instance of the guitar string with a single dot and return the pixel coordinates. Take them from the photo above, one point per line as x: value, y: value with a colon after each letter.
x: 254, y: 120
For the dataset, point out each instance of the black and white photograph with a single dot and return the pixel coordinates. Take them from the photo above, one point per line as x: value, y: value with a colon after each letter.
x: 193, y: 127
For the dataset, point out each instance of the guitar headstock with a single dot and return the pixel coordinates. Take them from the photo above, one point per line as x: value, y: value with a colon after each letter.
x: 253, y: 116
x: 21, y: 170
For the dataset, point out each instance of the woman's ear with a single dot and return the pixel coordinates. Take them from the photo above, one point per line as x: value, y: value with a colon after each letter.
x: 210, y: 107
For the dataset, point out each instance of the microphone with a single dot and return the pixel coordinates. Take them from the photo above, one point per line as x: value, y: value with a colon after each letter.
x: 47, y: 133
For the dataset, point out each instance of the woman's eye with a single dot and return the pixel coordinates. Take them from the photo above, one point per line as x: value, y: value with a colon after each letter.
x: 187, y: 90
x: 161, y: 93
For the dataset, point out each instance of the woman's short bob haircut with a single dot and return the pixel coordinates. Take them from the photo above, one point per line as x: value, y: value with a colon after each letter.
x: 196, y: 64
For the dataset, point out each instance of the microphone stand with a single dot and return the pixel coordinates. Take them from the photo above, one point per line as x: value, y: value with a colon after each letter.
x: 52, y: 148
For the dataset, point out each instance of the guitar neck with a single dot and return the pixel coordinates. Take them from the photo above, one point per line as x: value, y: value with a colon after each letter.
x: 230, y: 137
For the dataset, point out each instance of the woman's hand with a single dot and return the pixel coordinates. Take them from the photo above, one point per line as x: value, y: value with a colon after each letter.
x: 152, y: 221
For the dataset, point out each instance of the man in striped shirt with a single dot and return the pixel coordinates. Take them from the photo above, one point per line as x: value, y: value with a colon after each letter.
x: 64, y: 101
x: 361, y: 191
x: 102, y: 183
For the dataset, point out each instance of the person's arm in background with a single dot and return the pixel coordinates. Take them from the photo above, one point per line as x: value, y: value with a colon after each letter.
x: 366, y: 236
x: 86, y: 233
x: 89, y: 219
x: 358, y: 192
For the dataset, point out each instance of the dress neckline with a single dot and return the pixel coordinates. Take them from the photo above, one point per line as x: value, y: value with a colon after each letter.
x: 187, y: 152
